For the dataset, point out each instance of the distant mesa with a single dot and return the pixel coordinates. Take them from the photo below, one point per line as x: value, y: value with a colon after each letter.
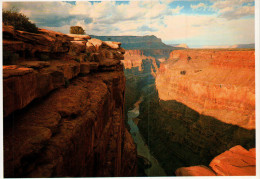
x: 180, y: 45
x: 231, y: 46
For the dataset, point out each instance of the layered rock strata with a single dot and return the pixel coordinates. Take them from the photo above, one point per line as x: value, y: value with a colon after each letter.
x: 217, y: 83
x: 64, y: 107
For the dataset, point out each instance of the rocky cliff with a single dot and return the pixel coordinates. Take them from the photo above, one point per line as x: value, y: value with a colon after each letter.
x: 202, y: 104
x: 64, y: 107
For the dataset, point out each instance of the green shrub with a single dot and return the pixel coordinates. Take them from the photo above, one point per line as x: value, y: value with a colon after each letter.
x: 77, y: 30
x: 18, y: 20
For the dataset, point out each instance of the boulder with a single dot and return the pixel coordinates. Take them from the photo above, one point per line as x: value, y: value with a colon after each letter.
x: 79, y: 37
x: 90, y: 48
x: 114, y: 45
x: 96, y: 43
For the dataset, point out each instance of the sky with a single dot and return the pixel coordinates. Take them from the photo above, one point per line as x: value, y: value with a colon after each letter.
x: 196, y: 23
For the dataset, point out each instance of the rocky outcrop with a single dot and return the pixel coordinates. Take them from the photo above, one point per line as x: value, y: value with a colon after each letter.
x: 216, y: 83
x: 64, y: 116
x: 235, y: 162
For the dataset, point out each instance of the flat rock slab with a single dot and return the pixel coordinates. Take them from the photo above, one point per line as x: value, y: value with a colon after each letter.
x: 15, y: 70
x: 79, y: 37
x: 35, y: 64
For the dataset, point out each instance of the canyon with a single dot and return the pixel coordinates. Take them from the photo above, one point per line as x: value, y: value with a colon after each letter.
x: 109, y: 106
x: 196, y: 105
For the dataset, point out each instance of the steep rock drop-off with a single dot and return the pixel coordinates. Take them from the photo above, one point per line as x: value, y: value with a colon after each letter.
x: 201, y: 106
x: 64, y: 107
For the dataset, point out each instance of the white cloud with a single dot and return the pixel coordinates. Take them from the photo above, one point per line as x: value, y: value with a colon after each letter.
x: 199, y: 6
x: 234, y: 9
x: 146, y: 18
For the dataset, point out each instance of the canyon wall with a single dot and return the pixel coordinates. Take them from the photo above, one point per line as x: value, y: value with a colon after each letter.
x: 216, y: 83
x: 202, y: 104
x: 64, y: 107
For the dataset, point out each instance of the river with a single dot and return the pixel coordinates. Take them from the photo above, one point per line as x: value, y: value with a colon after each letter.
x: 142, y: 148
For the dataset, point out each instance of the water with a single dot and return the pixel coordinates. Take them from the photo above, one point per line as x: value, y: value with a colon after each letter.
x: 142, y: 148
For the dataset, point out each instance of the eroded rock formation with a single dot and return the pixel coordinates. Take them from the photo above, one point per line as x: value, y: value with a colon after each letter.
x: 64, y: 107
x: 235, y: 162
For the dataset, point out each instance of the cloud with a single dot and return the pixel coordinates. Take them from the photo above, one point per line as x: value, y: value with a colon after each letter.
x: 167, y: 20
x: 234, y: 9
x: 198, y: 6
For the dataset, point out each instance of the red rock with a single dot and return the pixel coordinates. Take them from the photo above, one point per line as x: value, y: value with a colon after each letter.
x: 195, y: 171
x: 96, y: 43
x: 84, y: 68
x: 217, y: 83
x: 114, y: 45
x: 235, y: 162
x: 34, y: 64
x: 22, y: 85
x: 77, y: 47
x: 78, y: 37
x: 45, y: 41
x: 134, y: 58
x: 109, y: 62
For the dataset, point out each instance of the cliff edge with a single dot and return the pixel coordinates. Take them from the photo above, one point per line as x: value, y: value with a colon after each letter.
x: 64, y: 106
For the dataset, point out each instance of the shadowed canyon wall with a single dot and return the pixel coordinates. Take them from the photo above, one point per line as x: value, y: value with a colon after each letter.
x: 64, y: 107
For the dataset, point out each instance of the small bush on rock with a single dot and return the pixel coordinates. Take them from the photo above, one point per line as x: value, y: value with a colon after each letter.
x: 18, y: 20
x: 77, y: 30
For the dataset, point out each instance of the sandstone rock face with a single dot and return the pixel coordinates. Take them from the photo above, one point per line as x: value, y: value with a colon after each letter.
x: 44, y: 42
x: 216, y: 83
x: 235, y: 162
x: 64, y: 116
x: 134, y: 58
